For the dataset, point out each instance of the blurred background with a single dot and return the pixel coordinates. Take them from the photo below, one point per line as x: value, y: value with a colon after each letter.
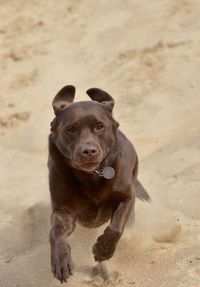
x: 146, y: 54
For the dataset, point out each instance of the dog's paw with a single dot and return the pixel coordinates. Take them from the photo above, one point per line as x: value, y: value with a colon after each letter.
x: 61, y: 261
x: 103, y: 250
x: 105, y: 246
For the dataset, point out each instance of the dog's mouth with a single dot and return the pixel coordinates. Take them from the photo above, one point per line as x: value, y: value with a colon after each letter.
x: 88, y: 166
x: 87, y: 163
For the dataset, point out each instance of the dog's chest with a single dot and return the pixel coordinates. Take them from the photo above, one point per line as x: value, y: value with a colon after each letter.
x: 96, y: 194
x: 94, y: 215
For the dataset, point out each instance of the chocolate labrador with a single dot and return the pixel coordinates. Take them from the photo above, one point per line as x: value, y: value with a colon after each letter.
x: 93, y: 171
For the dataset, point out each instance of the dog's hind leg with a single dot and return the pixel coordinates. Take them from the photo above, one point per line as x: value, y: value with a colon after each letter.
x: 101, y: 270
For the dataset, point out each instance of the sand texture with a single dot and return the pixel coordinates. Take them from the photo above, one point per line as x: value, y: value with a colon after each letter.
x: 146, y: 54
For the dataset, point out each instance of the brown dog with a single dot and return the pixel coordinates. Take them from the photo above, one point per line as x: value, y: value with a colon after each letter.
x: 92, y: 175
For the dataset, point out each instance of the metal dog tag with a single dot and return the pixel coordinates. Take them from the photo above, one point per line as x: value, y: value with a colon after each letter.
x: 108, y: 172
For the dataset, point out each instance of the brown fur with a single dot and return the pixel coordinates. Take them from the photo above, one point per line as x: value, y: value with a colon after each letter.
x: 84, y: 137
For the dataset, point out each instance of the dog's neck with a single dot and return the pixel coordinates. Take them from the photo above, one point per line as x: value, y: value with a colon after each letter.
x: 105, y: 170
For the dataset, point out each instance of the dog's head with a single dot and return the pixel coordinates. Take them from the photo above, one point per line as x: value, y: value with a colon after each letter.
x: 84, y: 132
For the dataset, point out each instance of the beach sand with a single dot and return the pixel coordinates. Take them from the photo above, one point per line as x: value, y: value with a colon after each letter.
x: 146, y: 54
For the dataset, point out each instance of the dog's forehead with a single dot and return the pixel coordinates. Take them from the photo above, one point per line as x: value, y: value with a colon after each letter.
x: 85, y: 109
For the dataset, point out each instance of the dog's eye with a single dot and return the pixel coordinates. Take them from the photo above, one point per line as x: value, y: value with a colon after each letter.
x: 99, y: 127
x: 71, y: 130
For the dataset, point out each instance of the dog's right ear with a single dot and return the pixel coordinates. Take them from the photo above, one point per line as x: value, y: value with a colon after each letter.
x: 63, y: 98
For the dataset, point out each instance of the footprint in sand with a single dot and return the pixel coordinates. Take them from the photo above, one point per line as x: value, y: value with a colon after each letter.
x: 14, y: 119
x: 23, y: 80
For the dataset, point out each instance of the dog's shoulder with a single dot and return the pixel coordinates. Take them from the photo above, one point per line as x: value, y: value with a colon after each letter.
x: 126, y: 162
x: 125, y: 147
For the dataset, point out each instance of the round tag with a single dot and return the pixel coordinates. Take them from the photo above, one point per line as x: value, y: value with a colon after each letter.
x: 108, y: 172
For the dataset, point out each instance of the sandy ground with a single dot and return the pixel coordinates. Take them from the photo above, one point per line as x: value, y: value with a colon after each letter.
x: 147, y: 55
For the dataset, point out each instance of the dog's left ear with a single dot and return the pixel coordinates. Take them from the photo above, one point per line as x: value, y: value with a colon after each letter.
x: 63, y: 98
x: 102, y: 97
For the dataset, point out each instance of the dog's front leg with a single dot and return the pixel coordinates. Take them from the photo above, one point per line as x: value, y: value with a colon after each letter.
x: 106, y: 244
x: 62, y: 225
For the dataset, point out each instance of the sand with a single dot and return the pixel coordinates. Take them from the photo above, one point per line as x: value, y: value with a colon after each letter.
x: 146, y: 54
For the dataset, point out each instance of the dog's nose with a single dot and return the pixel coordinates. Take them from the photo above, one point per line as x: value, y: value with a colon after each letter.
x: 89, y: 152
